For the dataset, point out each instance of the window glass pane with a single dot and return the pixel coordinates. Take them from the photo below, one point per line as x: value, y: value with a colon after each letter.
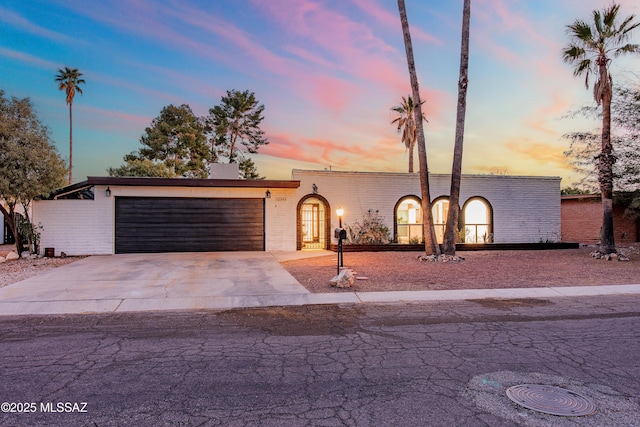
x: 476, y: 219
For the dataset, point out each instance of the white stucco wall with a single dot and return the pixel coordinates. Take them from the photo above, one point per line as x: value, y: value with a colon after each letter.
x: 525, y: 209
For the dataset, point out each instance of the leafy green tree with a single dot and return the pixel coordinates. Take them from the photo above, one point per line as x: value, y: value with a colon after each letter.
x: 69, y: 80
x: 573, y: 190
x: 174, y: 145
x: 248, y: 169
x: 431, y: 246
x: 30, y: 166
x: 406, y: 123
x: 591, y: 49
x: 142, y: 167
x: 451, y: 229
x: 585, y: 146
x: 234, y: 127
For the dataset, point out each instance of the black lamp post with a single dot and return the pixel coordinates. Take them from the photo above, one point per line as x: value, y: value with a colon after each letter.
x: 340, y: 234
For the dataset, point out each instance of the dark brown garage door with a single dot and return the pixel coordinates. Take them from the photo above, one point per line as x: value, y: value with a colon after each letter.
x: 168, y: 224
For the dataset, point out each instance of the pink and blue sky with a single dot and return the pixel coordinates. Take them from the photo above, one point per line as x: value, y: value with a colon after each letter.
x: 328, y: 72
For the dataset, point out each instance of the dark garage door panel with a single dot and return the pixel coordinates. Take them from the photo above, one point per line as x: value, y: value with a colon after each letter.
x: 167, y: 224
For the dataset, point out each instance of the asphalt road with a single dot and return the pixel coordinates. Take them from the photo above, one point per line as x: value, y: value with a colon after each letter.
x: 440, y: 364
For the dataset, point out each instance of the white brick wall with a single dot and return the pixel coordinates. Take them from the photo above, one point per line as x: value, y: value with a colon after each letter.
x: 280, y: 221
x: 87, y: 227
x: 525, y: 209
x: 76, y: 227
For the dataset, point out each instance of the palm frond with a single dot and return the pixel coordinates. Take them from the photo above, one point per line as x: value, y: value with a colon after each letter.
x: 624, y: 30
x: 572, y: 53
x: 583, y: 67
x: 628, y: 48
x: 597, y: 21
x: 610, y: 15
x: 580, y: 30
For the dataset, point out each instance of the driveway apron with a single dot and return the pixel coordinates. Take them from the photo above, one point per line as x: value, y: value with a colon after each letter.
x: 152, y: 281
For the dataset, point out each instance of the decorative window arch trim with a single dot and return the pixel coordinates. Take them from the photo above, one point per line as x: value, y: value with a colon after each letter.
x: 463, y: 217
x: 327, y: 220
x: 395, y: 212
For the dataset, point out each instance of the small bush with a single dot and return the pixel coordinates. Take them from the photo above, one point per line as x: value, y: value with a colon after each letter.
x: 372, y: 230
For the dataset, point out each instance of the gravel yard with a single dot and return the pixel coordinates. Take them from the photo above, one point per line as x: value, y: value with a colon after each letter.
x: 21, y: 269
x: 402, y: 271
x: 387, y: 271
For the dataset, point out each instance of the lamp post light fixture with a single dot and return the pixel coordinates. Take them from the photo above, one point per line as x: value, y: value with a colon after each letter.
x: 340, y: 234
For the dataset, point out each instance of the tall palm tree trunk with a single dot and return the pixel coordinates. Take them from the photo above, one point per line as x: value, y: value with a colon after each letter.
x: 70, y: 143
x: 449, y: 246
x: 431, y: 246
x: 411, y: 158
x: 605, y: 166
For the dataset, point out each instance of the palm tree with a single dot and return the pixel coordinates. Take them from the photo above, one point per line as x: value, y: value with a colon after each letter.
x: 407, y: 124
x: 69, y: 80
x: 449, y: 244
x: 431, y: 246
x: 591, y: 49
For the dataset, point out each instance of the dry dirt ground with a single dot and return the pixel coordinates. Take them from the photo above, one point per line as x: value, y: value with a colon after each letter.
x: 402, y: 271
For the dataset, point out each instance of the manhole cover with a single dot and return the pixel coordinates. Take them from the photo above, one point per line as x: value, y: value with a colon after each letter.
x: 551, y: 400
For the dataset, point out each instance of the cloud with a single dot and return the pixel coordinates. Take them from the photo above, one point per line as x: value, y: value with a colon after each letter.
x: 539, y: 119
x: 25, y: 57
x: 537, y: 152
x: 337, y: 42
x: 16, y: 20
x: 330, y: 152
x: 392, y: 21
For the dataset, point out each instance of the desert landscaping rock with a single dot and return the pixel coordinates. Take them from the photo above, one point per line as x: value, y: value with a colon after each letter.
x: 609, y: 257
x: 11, y: 256
x: 343, y: 280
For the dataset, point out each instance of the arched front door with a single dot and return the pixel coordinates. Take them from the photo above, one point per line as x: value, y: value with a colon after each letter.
x: 313, y: 222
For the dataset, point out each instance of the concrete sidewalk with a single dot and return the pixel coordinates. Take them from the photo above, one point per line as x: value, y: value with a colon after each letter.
x: 218, y: 280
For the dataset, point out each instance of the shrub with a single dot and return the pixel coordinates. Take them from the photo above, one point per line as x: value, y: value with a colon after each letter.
x: 372, y: 230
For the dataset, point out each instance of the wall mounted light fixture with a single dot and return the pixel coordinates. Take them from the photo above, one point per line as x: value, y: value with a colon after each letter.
x: 107, y: 192
x: 267, y: 194
x: 315, y: 188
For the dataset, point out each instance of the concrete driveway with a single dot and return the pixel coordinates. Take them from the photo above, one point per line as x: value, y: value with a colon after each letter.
x: 169, y: 281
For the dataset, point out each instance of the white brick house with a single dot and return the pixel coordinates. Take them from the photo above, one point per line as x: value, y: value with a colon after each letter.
x: 518, y: 209
x: 160, y: 215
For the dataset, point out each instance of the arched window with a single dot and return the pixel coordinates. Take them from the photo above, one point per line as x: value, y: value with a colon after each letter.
x: 440, y: 210
x: 478, y: 227
x: 408, y: 220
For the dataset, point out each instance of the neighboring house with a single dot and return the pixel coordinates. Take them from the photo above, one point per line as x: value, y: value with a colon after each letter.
x: 6, y: 236
x: 582, y: 220
x: 107, y: 215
